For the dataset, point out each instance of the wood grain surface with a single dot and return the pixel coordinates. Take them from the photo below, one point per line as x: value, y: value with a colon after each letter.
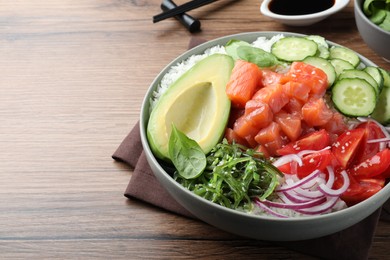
x: 73, y: 76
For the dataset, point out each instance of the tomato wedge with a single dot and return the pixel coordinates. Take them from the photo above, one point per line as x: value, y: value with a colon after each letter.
x: 373, y: 131
x: 310, y: 163
x: 373, y: 166
x: 359, y: 189
x: 346, y: 146
x: 313, y: 141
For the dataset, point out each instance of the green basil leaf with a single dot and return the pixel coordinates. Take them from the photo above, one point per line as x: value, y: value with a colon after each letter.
x: 257, y: 56
x: 231, y: 47
x: 186, y: 155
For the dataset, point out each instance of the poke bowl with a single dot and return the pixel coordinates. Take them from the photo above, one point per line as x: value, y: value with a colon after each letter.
x: 259, y: 217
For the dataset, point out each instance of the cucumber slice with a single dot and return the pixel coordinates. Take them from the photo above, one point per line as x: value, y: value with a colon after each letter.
x: 323, y: 47
x: 361, y: 74
x: 367, y: 7
x: 341, y: 65
x: 354, y: 97
x: 376, y: 74
x: 323, y: 52
x: 338, y: 52
x: 294, y: 48
x: 382, y: 110
x: 386, y: 77
x: 324, y: 65
x: 385, y: 24
x: 378, y: 16
x: 321, y: 41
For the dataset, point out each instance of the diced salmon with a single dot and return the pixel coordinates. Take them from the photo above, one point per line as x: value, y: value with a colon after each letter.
x: 270, y: 137
x: 243, y: 127
x: 231, y: 136
x: 297, y: 90
x: 261, y: 116
x: 270, y: 77
x: 336, y: 125
x: 250, y: 123
x: 263, y: 150
x: 309, y: 75
x: 252, y: 105
x: 243, y: 83
x: 290, y: 124
x: 316, y: 113
x: 251, y: 141
x: 306, y: 129
x: 274, y: 96
x: 294, y: 106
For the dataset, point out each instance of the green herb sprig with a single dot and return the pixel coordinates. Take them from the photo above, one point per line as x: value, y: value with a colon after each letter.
x: 233, y: 176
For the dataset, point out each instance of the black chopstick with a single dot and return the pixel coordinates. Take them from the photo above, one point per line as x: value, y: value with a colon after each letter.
x: 181, y: 9
x: 192, y: 24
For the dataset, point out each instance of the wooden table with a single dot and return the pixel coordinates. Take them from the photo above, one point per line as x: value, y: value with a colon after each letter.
x: 73, y: 76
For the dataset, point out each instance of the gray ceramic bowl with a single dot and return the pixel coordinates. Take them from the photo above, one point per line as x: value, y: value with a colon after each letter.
x: 374, y: 36
x: 258, y: 227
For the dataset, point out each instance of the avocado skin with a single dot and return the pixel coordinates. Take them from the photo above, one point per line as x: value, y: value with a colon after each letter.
x: 196, y: 103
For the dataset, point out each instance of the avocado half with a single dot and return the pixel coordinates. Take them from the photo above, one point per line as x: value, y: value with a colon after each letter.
x: 196, y: 103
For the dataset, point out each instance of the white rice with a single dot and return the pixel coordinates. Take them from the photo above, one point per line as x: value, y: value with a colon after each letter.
x: 178, y: 69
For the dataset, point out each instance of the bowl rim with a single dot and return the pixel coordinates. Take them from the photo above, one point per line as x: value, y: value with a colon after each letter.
x: 144, y: 116
x: 338, y: 5
x: 358, y: 9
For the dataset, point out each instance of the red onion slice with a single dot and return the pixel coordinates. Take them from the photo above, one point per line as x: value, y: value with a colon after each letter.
x: 268, y: 210
x: 299, y: 183
x: 292, y: 205
x: 306, y: 152
x: 287, y: 159
x: 320, y: 209
x: 379, y: 140
x: 293, y: 196
x: 304, y: 193
x: 315, y: 194
x: 331, y: 176
x: 336, y: 193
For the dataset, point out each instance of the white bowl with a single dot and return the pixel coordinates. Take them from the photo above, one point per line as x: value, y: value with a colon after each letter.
x: 245, y: 224
x: 302, y: 20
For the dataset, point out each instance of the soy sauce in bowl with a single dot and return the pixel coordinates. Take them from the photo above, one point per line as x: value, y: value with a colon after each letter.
x: 299, y: 7
x: 301, y: 12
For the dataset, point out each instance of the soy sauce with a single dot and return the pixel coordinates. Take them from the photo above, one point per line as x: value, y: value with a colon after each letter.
x: 299, y: 7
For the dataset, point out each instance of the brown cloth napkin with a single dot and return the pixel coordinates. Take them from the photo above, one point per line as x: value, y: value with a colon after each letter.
x: 351, y: 243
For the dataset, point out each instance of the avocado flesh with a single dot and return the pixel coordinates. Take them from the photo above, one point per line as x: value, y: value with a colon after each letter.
x: 196, y: 104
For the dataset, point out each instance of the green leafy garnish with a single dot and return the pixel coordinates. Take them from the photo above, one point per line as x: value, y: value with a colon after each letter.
x: 243, y: 50
x: 257, y: 56
x: 186, y: 155
x: 231, y: 47
x: 233, y: 176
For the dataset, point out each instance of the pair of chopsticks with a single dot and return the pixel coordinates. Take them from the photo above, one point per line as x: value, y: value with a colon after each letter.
x: 181, y: 9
